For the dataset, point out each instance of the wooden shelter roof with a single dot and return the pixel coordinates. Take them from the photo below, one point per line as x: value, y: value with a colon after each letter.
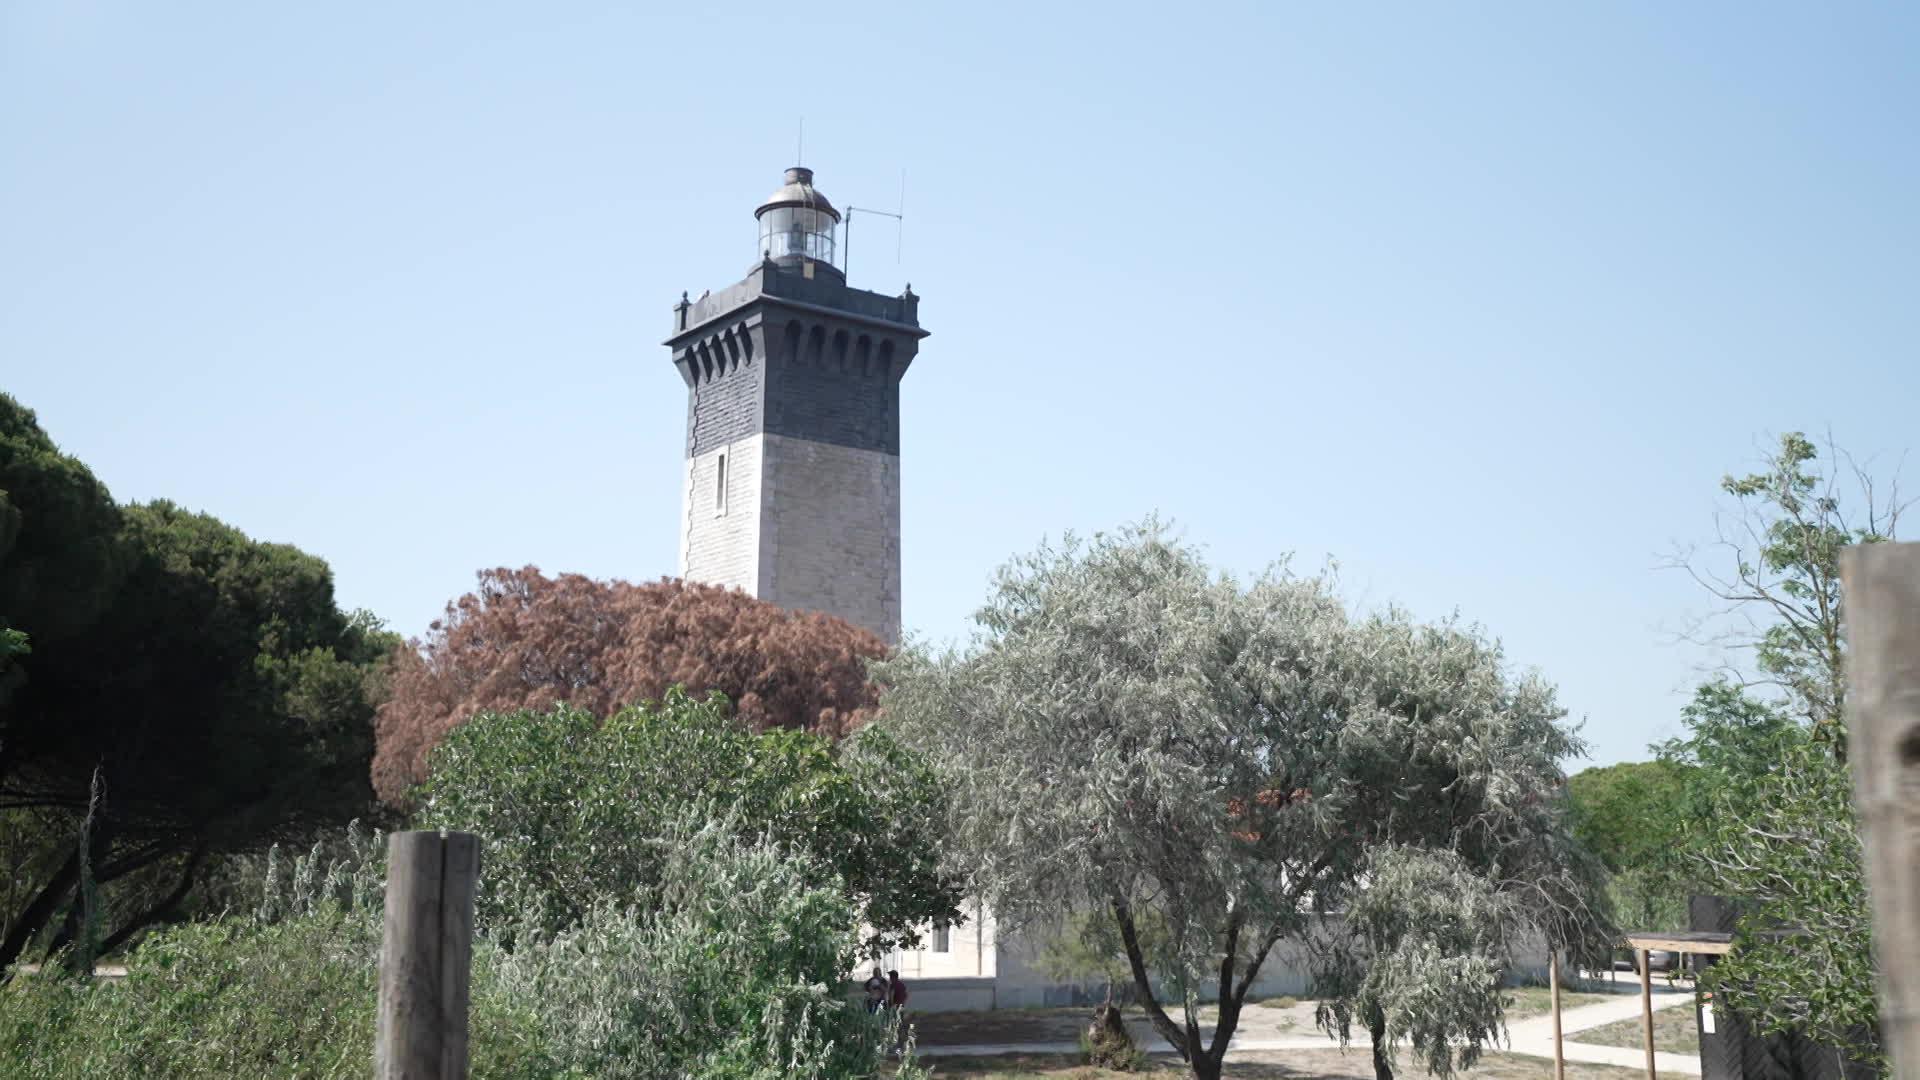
x: 1687, y: 941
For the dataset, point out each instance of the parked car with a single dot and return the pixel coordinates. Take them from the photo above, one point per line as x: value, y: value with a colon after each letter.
x: 1657, y: 960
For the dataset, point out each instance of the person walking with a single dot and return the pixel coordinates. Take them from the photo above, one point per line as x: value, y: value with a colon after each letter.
x: 877, y: 992
x: 897, y: 1004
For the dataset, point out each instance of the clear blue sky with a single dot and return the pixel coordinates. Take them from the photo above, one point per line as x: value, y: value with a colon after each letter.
x: 1479, y: 300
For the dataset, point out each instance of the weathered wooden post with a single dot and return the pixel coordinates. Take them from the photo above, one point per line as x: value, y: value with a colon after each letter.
x: 426, y: 956
x: 1553, y: 990
x: 1882, y: 591
x: 1646, y: 1006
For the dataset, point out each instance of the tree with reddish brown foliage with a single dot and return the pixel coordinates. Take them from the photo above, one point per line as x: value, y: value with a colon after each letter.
x: 522, y: 640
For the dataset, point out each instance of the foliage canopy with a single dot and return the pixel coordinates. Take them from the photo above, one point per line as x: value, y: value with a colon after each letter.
x: 1131, y: 734
x: 190, y: 692
x: 571, y: 807
x: 522, y: 640
x: 1773, y: 818
x: 727, y: 970
x: 1632, y: 816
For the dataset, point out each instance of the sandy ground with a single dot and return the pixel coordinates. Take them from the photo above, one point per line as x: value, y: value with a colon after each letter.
x: 1280, y: 1039
x: 1271, y: 1019
x: 1281, y: 1065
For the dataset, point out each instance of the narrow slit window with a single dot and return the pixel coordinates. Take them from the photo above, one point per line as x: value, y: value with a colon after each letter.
x: 720, y: 483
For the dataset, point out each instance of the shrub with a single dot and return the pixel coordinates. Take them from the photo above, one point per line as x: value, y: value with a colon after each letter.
x: 286, y: 991
x: 572, y: 808
x: 1107, y: 1044
x: 734, y: 973
x: 727, y: 967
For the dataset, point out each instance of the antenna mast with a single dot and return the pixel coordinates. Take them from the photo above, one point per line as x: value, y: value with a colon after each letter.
x: 899, y: 215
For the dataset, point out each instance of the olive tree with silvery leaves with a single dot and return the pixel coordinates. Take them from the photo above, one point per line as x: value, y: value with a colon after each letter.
x: 1131, y: 734
x: 1418, y: 956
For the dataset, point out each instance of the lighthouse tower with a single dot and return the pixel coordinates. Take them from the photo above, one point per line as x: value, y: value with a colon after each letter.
x: 792, y: 483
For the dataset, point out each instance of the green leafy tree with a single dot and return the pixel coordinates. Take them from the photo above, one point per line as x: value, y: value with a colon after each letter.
x: 59, y: 562
x: 1731, y: 739
x: 1775, y: 823
x: 1628, y: 814
x: 570, y: 807
x: 1133, y: 735
x: 1089, y: 950
x: 1775, y: 570
x: 1803, y: 959
x: 1632, y: 817
x: 13, y: 645
x: 1731, y: 736
x: 205, y: 681
x: 57, y: 575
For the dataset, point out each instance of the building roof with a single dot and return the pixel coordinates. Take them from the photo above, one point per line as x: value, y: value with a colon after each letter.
x: 1687, y: 941
x: 798, y: 191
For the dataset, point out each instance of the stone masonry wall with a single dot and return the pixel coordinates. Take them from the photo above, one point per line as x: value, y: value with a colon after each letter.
x: 724, y: 408
x: 828, y: 401
x: 723, y: 548
x: 830, y: 531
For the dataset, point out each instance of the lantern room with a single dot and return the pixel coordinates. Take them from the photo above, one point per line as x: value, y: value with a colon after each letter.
x: 797, y: 222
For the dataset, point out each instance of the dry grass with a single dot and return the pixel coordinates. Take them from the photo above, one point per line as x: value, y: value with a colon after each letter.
x: 1674, y: 1029
x: 1525, y: 1001
x: 1274, y: 1065
x: 1003, y: 1026
x: 1357, y: 1064
x: 1271, y: 1018
x: 1274, y: 1017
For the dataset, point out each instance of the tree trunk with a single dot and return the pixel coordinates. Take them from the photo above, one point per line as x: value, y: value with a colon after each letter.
x: 70, y: 932
x: 1382, y: 1054
x: 87, y: 879
x: 163, y: 909
x: 46, y: 905
x: 38, y: 911
x: 1137, y: 962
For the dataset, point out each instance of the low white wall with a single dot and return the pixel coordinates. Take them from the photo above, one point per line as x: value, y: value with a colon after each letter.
x: 951, y: 995
x: 1021, y: 985
x: 1530, y: 963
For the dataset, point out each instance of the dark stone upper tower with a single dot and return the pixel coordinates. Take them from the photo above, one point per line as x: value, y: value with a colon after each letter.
x: 792, y: 485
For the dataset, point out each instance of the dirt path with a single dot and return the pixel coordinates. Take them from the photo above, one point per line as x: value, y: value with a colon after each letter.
x: 1286, y: 1028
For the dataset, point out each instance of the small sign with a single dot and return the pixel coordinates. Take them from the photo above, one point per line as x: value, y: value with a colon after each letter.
x: 1706, y: 1014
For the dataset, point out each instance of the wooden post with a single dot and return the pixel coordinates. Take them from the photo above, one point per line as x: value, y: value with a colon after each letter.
x: 426, y: 957
x: 1646, y: 1005
x: 1553, y: 989
x: 1882, y: 596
